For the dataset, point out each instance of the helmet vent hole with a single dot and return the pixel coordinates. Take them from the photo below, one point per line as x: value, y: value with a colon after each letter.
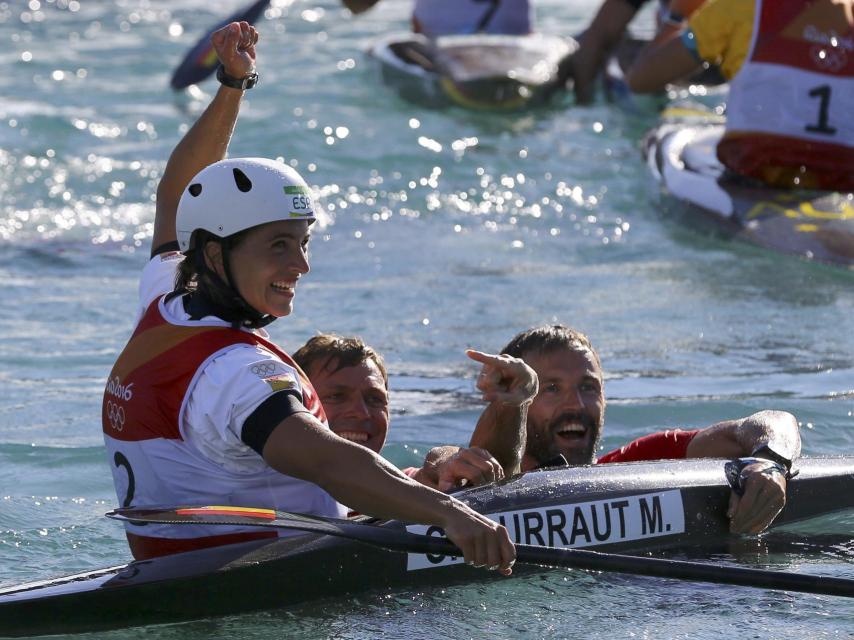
x: 195, y: 189
x: 242, y: 181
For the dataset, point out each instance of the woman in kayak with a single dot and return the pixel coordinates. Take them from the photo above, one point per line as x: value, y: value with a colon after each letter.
x: 201, y: 407
x: 792, y: 91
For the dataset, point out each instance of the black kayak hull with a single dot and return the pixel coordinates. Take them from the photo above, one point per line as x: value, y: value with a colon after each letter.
x: 669, y: 504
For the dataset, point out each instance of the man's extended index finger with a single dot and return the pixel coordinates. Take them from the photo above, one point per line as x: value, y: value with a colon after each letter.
x: 483, y: 358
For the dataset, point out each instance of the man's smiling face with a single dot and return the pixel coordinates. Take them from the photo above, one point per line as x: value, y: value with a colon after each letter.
x: 568, y: 413
x: 355, y: 400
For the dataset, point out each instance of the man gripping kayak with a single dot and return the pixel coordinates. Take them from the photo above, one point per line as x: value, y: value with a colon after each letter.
x: 565, y: 421
x: 201, y: 406
x: 567, y: 418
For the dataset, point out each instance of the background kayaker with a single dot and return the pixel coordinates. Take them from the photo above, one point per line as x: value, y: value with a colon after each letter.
x: 436, y: 18
x: 568, y: 415
x: 201, y: 408
x: 351, y: 380
x: 603, y: 36
x: 792, y: 91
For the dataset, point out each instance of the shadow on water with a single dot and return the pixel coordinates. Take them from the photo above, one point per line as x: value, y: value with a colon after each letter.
x: 51, y: 256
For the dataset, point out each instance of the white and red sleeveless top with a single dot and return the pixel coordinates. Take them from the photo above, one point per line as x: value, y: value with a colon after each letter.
x: 153, y: 460
x: 436, y: 18
x: 792, y: 101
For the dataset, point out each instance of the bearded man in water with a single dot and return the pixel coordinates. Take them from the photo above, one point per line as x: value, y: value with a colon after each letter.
x: 567, y: 417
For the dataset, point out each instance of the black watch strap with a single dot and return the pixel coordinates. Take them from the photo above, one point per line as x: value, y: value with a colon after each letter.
x: 765, y: 452
x: 236, y: 83
x: 734, y: 470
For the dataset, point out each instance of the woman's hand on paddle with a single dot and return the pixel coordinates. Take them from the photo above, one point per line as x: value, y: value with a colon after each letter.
x: 484, y: 543
x: 235, y: 47
x: 505, y: 379
x: 764, y: 497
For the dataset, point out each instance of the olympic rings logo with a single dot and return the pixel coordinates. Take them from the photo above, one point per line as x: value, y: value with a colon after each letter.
x: 831, y: 59
x: 263, y: 369
x: 116, y: 415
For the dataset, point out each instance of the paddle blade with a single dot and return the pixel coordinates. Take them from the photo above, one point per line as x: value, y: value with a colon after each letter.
x: 391, y: 538
x: 201, y: 61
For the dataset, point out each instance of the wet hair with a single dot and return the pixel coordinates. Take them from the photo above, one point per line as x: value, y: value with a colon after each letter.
x: 333, y: 352
x: 547, y: 339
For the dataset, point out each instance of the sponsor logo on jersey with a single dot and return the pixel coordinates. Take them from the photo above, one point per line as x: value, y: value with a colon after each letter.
x: 582, y: 524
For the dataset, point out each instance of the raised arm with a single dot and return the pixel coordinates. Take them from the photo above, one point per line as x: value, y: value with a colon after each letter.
x: 207, y: 141
x: 509, y: 385
x: 498, y: 441
x: 772, y: 435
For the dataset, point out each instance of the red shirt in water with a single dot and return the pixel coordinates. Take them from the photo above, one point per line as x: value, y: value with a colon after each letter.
x: 664, y: 445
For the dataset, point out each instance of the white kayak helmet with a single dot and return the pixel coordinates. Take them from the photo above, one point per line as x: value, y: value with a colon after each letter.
x: 237, y: 194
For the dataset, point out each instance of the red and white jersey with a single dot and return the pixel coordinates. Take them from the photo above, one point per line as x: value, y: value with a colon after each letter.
x: 796, y: 87
x: 436, y: 18
x: 172, y: 416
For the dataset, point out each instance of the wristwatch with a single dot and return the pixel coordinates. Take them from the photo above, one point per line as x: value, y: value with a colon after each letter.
x: 236, y: 83
x: 734, y: 471
x: 767, y: 452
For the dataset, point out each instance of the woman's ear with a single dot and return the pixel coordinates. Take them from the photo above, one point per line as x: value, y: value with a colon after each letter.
x: 213, y: 257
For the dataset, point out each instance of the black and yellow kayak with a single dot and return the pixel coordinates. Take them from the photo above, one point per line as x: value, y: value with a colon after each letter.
x: 814, y: 225
x: 612, y: 507
x: 476, y: 71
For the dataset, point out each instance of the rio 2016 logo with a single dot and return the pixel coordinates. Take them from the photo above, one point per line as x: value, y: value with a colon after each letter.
x: 120, y: 391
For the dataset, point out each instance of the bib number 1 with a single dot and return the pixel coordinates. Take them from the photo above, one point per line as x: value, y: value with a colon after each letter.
x: 823, y: 94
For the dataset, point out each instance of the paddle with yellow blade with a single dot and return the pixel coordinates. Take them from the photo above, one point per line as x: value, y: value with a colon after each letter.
x: 400, y: 540
x: 201, y: 61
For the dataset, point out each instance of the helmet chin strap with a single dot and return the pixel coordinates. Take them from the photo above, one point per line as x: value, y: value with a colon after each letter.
x: 239, y: 313
x: 254, y: 319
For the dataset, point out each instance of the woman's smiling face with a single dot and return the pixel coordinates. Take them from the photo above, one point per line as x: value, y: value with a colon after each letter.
x: 267, y: 263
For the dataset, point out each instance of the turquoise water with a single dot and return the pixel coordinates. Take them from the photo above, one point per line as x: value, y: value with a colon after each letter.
x: 447, y: 229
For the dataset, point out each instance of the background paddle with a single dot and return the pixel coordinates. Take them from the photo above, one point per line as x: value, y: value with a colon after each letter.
x: 201, y: 61
x: 398, y: 540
